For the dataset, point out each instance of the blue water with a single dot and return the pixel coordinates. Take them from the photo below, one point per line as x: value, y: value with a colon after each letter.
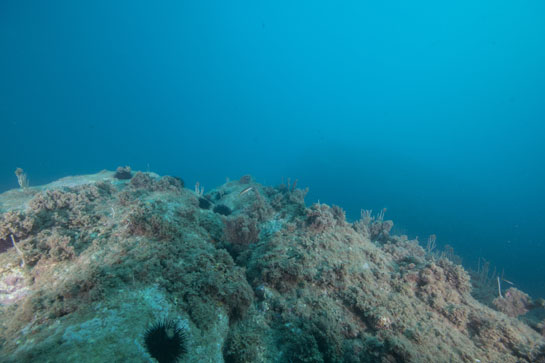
x: 433, y: 110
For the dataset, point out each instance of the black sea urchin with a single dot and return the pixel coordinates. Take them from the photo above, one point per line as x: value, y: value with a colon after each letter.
x: 166, y: 341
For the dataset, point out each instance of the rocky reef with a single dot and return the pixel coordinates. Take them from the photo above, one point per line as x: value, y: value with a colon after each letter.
x: 241, y: 273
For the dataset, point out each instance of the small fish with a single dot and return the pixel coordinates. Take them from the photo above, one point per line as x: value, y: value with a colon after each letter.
x: 246, y: 190
x: 509, y: 282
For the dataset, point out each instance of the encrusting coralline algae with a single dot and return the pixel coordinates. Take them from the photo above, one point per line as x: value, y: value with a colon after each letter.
x: 248, y: 273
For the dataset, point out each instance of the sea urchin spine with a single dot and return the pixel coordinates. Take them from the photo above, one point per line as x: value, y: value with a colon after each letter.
x: 166, y: 341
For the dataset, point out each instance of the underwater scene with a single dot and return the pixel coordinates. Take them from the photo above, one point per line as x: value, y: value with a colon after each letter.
x: 287, y: 181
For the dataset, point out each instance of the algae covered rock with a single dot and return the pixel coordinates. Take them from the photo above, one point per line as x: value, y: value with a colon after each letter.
x: 242, y: 273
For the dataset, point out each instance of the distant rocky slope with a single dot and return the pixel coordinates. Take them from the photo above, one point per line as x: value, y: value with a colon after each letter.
x: 244, y: 272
